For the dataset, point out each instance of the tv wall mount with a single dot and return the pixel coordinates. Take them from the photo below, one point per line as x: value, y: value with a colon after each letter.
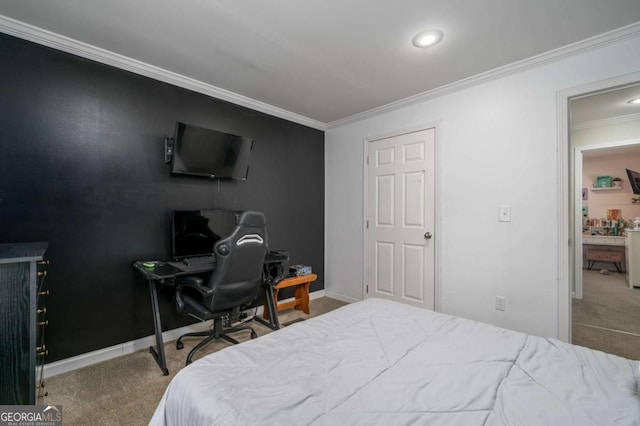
x: 168, y: 149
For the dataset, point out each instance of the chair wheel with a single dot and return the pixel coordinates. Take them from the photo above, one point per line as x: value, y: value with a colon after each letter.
x: 179, y: 345
x: 253, y: 334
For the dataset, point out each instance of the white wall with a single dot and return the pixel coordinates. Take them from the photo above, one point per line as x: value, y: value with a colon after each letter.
x: 497, y: 145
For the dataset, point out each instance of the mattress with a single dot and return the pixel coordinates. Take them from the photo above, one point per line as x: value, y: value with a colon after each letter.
x: 387, y: 363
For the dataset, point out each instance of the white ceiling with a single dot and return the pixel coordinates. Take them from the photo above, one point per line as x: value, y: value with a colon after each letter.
x: 321, y: 59
x: 602, y: 106
x: 612, y: 104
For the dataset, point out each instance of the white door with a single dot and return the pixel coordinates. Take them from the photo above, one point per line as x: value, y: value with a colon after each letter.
x: 400, y: 243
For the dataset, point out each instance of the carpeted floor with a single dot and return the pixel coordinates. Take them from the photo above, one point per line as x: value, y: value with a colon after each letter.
x: 608, y: 316
x: 127, y: 389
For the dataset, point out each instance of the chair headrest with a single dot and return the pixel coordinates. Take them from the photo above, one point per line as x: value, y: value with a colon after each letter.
x: 252, y: 218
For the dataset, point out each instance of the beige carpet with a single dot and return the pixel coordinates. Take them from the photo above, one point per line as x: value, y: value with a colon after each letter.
x: 126, y: 390
x: 608, y: 316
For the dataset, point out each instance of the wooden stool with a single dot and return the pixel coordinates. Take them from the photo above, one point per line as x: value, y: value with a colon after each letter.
x: 301, y: 299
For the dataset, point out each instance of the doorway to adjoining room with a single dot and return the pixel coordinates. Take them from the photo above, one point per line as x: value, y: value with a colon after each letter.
x: 605, y: 142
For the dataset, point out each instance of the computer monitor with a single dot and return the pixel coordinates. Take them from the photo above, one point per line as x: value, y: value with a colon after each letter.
x: 194, y: 232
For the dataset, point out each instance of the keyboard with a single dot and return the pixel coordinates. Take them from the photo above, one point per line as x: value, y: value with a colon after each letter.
x: 199, y: 260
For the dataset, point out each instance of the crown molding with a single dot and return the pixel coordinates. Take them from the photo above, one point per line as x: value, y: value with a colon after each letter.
x: 611, y: 121
x: 551, y: 56
x: 56, y: 41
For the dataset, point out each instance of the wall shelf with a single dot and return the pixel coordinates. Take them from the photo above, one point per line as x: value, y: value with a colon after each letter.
x: 608, y: 188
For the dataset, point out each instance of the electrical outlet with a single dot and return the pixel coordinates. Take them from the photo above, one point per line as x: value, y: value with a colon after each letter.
x: 504, y: 213
x: 501, y: 303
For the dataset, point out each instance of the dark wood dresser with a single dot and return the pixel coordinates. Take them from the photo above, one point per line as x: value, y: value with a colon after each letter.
x: 21, y: 317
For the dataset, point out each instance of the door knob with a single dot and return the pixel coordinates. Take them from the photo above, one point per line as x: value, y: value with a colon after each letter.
x: 427, y: 235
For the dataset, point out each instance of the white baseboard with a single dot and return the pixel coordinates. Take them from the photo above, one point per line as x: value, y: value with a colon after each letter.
x: 90, y: 358
x: 312, y: 295
x: 94, y: 357
x: 340, y: 297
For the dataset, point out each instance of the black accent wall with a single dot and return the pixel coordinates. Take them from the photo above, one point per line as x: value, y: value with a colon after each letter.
x: 82, y: 167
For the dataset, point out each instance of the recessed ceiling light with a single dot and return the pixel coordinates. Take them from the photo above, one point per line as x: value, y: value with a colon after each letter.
x: 427, y: 38
x: 635, y: 101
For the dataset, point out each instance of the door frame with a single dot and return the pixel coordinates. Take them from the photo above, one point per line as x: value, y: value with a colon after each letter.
x: 437, y: 126
x: 566, y: 236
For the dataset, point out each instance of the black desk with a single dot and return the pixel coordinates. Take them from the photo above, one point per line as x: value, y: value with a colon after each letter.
x: 165, y: 273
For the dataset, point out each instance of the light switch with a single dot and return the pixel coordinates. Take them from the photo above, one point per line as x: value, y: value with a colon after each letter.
x: 504, y: 213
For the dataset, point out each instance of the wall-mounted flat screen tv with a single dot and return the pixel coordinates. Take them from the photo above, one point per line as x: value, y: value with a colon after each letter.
x: 634, y: 180
x: 205, y: 152
x: 194, y: 232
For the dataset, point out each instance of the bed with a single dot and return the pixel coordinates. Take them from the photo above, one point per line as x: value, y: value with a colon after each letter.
x: 387, y: 363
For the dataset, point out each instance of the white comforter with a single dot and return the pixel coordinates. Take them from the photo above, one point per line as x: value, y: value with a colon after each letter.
x: 386, y: 363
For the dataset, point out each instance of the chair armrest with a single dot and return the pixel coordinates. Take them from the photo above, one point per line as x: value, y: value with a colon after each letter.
x: 191, y: 282
x: 194, y: 283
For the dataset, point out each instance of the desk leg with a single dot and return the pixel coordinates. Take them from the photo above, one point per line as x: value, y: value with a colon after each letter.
x: 273, y: 313
x: 158, y: 351
x: 269, y: 310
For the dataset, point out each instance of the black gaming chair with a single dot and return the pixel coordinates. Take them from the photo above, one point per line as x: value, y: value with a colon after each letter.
x: 234, y: 283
